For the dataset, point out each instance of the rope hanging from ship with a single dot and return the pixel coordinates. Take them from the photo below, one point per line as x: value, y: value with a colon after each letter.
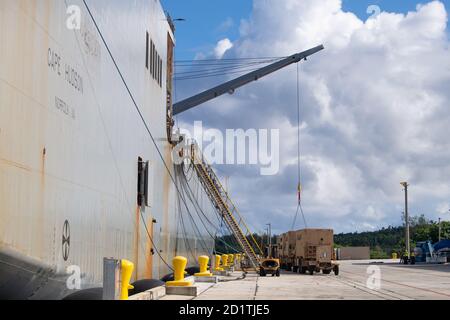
x: 193, y: 199
x: 146, y: 127
x: 180, y: 196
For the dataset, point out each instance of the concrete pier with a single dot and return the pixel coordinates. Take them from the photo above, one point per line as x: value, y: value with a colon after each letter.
x: 358, y: 280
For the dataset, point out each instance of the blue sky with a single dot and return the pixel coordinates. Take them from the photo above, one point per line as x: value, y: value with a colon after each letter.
x: 206, y: 20
x: 374, y: 111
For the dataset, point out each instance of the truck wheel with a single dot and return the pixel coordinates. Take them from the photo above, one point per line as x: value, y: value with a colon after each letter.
x: 336, y: 270
x: 262, y: 273
x: 278, y: 273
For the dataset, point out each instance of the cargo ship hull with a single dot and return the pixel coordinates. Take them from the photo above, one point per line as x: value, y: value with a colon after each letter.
x: 72, y: 141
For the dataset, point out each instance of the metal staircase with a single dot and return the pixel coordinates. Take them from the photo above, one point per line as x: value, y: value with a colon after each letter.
x: 219, y: 197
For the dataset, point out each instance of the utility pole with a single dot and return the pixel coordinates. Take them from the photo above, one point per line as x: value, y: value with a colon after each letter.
x: 408, y: 248
x: 262, y: 240
x: 439, y: 229
x: 270, y: 239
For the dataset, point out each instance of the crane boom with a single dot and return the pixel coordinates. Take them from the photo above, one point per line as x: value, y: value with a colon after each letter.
x: 232, y: 85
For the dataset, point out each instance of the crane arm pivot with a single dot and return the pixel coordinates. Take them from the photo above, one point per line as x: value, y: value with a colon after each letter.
x: 232, y: 85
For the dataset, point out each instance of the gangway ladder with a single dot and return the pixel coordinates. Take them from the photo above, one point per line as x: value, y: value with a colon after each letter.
x: 219, y: 197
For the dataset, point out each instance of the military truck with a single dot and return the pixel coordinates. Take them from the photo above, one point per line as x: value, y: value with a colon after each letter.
x: 287, y: 250
x: 308, y: 250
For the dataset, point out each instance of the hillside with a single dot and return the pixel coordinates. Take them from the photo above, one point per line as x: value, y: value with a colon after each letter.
x: 392, y: 239
x: 381, y: 242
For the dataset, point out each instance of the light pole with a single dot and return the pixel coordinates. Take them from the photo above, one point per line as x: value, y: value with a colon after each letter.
x: 439, y: 230
x: 270, y: 239
x: 408, y: 249
x: 267, y: 235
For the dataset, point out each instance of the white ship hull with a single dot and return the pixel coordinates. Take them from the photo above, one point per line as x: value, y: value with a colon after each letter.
x: 70, y: 139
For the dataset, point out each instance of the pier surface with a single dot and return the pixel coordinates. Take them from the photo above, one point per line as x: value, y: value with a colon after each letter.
x: 357, y: 281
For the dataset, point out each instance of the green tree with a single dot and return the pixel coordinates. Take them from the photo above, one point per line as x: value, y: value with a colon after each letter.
x: 392, y: 239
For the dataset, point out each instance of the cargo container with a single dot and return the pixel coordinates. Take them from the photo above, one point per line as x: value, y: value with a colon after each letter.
x: 287, y: 249
x: 308, y: 250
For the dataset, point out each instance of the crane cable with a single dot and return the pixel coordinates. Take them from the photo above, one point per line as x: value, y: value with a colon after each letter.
x: 198, y: 69
x: 299, y: 188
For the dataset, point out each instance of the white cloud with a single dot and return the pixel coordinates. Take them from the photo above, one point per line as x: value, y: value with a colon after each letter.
x: 443, y: 208
x: 222, y: 46
x: 375, y: 111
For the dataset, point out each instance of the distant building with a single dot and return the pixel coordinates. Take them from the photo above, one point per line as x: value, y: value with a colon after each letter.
x: 353, y: 253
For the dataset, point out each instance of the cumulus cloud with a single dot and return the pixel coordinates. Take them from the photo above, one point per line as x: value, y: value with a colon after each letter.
x: 374, y: 110
x: 222, y: 46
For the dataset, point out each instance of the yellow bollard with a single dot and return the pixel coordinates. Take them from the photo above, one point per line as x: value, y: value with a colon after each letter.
x: 179, y: 265
x: 126, y: 271
x: 217, y: 263
x: 231, y: 260
x: 203, y: 262
x: 225, y: 261
x: 394, y: 255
